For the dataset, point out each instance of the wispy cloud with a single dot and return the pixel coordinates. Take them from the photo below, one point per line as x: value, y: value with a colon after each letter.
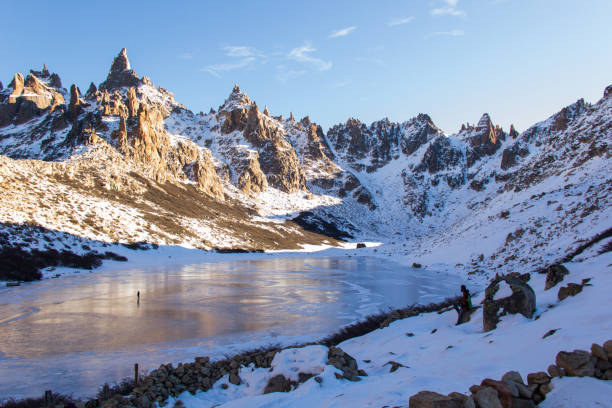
x: 449, y: 7
x: 302, y: 54
x: 371, y: 60
x: 343, y: 83
x: 284, y: 74
x: 248, y: 56
x: 216, y: 69
x: 452, y: 33
x: 343, y: 32
x: 400, y: 21
x: 242, y: 51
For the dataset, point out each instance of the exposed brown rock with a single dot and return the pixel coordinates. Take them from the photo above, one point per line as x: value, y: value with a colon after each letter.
x: 132, y: 102
x: 74, y: 106
x: 504, y: 391
x: 521, y: 301
x: 121, y: 74
x: 578, y: 363
x: 278, y: 383
x: 572, y: 289
x: 555, y: 274
x: 91, y: 91
x: 55, y: 81
x: 17, y: 85
x: 430, y: 399
x: 487, y: 397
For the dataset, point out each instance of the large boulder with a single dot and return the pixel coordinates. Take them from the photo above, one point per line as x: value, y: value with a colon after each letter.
x: 555, y: 274
x: 487, y: 397
x: 522, y: 300
x: 344, y: 362
x: 430, y: 399
x: 578, y: 363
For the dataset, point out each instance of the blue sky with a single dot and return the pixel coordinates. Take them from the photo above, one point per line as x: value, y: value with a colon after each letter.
x: 518, y: 60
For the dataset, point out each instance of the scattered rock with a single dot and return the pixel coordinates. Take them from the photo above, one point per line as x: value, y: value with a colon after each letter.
x: 555, y: 274
x: 344, y: 362
x: 394, y: 365
x: 549, y: 333
x: 234, y: 379
x: 278, y: 383
x: 361, y: 245
x: 416, y: 265
x: 572, y: 289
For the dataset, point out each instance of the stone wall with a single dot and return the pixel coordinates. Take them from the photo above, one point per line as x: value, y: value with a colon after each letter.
x: 512, y: 392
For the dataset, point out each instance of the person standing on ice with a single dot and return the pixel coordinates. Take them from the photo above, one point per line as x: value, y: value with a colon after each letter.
x: 138, y: 298
x: 465, y: 306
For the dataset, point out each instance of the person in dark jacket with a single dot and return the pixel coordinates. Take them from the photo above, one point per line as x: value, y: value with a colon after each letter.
x: 464, y: 310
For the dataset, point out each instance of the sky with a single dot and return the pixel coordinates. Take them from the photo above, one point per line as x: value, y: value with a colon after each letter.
x: 518, y: 60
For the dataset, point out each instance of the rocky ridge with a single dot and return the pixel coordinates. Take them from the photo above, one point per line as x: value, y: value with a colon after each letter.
x: 437, y: 186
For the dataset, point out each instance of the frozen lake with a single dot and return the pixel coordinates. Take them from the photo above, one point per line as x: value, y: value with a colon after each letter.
x: 73, y: 334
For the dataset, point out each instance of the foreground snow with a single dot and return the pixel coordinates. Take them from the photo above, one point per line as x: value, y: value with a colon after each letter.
x: 439, y: 356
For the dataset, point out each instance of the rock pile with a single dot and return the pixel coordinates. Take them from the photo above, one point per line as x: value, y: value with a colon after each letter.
x: 512, y: 392
x: 201, y: 375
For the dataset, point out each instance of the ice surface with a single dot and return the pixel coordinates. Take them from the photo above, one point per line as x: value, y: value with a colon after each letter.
x: 73, y: 334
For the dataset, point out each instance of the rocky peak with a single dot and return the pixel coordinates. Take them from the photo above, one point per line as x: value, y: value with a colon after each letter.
x: 17, y: 85
x: 35, y: 84
x: 513, y: 133
x: 1, y: 86
x: 485, y: 122
x: 562, y: 119
x: 266, y: 112
x: 121, y: 74
x: 75, y: 98
x: 55, y: 81
x: 44, y: 73
x: 608, y: 91
x: 91, y: 91
x: 236, y: 100
x: 483, y: 139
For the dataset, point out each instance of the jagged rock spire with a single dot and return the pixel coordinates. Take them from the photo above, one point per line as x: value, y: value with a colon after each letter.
x: 121, y: 62
x: 484, y: 122
x: 236, y: 100
x: 265, y: 112
x: 513, y: 133
x: 121, y: 74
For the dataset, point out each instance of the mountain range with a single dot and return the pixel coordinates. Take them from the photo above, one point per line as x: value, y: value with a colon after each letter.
x: 124, y: 162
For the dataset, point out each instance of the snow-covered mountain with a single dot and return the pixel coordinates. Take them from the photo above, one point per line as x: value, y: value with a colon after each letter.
x: 126, y: 162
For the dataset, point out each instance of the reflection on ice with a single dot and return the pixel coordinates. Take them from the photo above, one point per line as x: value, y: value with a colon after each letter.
x: 72, y: 335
